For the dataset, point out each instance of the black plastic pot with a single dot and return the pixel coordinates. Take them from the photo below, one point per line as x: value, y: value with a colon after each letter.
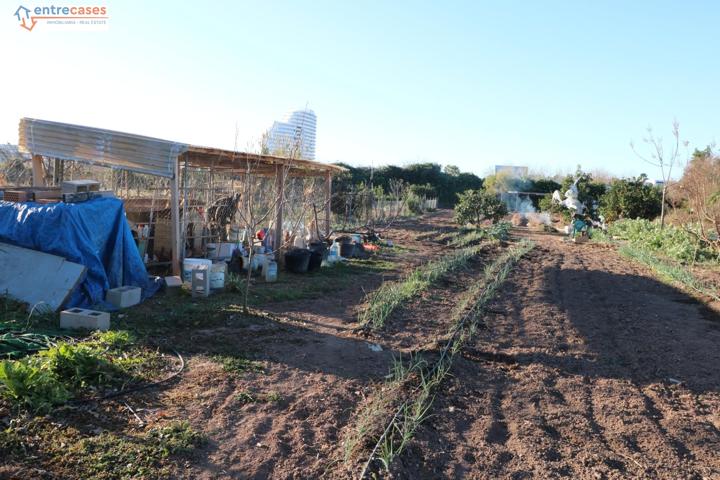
x: 348, y: 249
x: 297, y: 260
x: 318, y: 252
x: 316, y: 258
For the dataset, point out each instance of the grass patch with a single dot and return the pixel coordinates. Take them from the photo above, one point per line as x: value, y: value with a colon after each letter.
x: 237, y: 364
x: 291, y: 286
x: 383, y: 301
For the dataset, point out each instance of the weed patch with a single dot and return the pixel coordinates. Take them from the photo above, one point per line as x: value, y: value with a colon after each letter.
x: 249, y: 397
x: 237, y: 364
x: 53, y: 376
x: 672, y: 242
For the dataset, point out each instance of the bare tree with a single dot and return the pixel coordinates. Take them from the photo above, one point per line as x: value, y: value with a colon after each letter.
x: 260, y: 196
x: 700, y: 188
x: 661, y: 159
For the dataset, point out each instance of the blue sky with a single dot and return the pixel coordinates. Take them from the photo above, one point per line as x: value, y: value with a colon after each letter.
x: 544, y: 84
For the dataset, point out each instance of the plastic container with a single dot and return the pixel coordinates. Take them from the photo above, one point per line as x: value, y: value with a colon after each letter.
x: 318, y: 253
x: 217, y: 275
x: 297, y: 260
x: 347, y: 249
x: 270, y: 271
x: 190, y: 263
x: 299, y: 242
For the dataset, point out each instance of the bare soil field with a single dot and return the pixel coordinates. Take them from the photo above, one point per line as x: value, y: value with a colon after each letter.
x: 591, y: 369
x: 585, y: 367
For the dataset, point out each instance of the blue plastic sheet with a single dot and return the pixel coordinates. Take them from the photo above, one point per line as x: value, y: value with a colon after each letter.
x: 93, y: 233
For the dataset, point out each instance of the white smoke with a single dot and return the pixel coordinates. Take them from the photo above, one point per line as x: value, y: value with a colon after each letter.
x: 524, y: 213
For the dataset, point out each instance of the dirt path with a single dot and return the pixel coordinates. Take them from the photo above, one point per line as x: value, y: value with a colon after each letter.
x: 318, y: 367
x: 591, y: 369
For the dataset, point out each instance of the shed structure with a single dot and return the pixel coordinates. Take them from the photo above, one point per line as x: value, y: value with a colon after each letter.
x: 62, y: 142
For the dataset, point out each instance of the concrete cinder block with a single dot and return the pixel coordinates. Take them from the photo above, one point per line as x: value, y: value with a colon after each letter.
x: 87, y: 319
x: 123, y: 297
x: 173, y: 286
x: 174, y: 281
x: 200, y: 282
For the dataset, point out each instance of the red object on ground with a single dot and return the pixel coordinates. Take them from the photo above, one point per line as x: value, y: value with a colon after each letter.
x: 371, y: 247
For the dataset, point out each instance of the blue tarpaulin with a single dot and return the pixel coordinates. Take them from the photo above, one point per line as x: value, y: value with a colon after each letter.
x: 93, y: 233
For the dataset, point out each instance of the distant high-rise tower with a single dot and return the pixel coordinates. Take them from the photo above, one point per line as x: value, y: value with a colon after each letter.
x: 295, y: 134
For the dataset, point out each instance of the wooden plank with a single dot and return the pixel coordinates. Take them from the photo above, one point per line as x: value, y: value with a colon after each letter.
x: 328, y: 203
x: 38, y: 172
x: 175, y: 218
x: 37, y: 278
x: 280, y: 192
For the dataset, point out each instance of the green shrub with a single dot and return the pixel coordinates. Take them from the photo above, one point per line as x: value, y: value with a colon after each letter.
x: 474, y: 206
x: 546, y: 204
x: 631, y: 198
x: 414, y: 204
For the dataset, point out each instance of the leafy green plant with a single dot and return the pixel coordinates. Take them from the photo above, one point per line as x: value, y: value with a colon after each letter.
x: 55, y: 375
x: 245, y: 397
x: 31, y: 383
x: 672, y: 242
x: 80, y: 366
x: 474, y: 206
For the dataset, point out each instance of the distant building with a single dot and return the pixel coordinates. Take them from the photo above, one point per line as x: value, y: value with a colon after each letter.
x: 295, y: 133
x: 654, y: 182
x: 512, y: 171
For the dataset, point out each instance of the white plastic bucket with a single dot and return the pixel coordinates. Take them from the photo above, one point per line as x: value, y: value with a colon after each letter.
x: 270, y: 271
x: 190, y: 263
x: 217, y: 275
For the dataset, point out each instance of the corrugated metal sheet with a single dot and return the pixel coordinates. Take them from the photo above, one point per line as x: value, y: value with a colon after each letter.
x: 99, y: 147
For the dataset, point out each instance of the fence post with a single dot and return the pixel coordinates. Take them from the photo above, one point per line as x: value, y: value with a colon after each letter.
x: 328, y: 202
x: 175, y: 217
x: 38, y: 171
x: 280, y: 192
